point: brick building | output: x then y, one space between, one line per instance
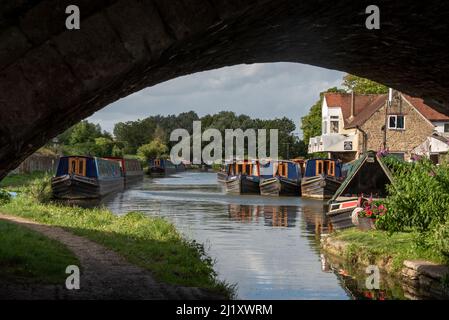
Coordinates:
354 123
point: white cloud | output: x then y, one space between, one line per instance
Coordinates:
258 90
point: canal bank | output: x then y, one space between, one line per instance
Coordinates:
146 253
419 272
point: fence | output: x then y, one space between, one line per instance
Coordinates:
38 162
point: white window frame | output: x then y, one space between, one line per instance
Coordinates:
444 127
338 126
396 121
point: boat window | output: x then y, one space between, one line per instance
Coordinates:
282 169
77 166
72 165
331 169
319 167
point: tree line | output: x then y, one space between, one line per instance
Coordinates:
150 137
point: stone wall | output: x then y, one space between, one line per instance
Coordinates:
416 131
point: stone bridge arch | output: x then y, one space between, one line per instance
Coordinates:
51 77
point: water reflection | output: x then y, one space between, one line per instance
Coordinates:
273 216
268 246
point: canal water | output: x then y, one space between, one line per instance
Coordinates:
267 246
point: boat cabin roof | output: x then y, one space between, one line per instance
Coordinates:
368 176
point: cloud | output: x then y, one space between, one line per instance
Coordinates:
258 90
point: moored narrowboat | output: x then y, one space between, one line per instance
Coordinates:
243 177
80 177
223 173
161 167
285 181
131 168
322 178
368 177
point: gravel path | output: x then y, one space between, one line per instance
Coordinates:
104 274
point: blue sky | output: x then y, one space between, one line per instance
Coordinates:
258 90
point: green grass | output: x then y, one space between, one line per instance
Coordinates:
27 256
14 182
152 243
374 246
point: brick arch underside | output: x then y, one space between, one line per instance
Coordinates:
50 77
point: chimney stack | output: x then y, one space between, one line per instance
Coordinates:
352 105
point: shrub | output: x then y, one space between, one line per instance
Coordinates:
418 199
439 238
5 197
40 189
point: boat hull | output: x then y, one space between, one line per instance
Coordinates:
340 213
242 185
73 187
160 172
279 187
319 187
222 176
133 177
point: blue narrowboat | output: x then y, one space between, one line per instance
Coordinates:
243 177
322 178
285 179
80 177
161 167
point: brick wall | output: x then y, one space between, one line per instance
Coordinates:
417 129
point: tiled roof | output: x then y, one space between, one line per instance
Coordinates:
428 112
367 104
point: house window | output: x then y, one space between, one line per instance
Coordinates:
396 122
334 126
446 127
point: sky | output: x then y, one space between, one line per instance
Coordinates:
271 90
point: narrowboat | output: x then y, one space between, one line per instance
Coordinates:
223 173
243 177
161 167
368 177
131 168
322 178
80 177
285 181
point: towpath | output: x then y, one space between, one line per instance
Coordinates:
104 274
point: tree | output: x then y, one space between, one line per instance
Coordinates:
85 132
103 147
362 86
154 149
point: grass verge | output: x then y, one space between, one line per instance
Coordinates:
28 257
14 182
379 247
152 243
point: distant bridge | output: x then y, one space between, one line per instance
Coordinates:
50 77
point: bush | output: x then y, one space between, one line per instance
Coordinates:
439 238
418 199
5 197
40 189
